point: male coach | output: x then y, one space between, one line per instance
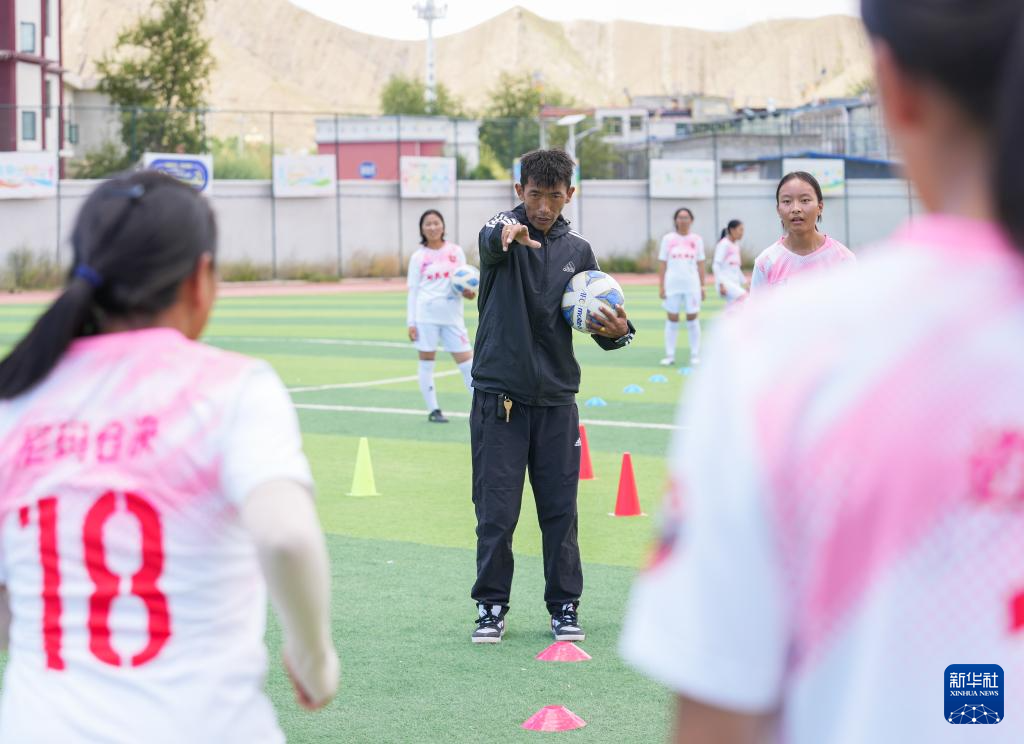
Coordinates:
525 380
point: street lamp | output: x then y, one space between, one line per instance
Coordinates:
571 121
570 148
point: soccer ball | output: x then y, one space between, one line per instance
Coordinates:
584 295
465 277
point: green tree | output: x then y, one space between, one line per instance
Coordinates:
159 76
510 126
402 95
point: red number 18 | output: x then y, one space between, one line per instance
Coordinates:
105 581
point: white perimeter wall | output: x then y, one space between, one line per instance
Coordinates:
616 216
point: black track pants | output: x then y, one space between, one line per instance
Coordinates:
543 440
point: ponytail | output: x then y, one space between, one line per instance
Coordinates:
69 317
136 239
1009 155
733 224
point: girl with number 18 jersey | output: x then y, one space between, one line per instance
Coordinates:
151 488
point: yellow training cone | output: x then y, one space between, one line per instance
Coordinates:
362 480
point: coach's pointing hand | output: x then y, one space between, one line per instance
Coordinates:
518 234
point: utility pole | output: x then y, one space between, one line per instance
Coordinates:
429 11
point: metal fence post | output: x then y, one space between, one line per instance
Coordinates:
337 198
273 205
455 123
398 183
714 154
647 143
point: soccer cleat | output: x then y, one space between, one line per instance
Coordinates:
490 625
694 360
565 625
437 417
668 361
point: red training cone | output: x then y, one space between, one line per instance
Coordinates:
563 651
627 503
586 469
553 718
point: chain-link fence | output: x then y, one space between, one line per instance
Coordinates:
366 222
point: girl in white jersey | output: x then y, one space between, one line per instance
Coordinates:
434 312
681 283
851 568
799 202
152 489
727 264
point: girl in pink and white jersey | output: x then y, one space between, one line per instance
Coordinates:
727 265
152 489
681 283
434 314
800 203
851 568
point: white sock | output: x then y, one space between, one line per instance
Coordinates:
671 334
427 384
466 368
693 329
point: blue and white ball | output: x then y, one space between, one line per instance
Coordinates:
584 296
465 277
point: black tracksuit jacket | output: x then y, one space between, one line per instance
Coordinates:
523 344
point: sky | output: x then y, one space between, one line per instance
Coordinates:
397 19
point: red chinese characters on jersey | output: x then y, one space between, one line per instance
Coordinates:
683 247
438 264
114 441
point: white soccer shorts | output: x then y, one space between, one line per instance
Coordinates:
453 338
689 301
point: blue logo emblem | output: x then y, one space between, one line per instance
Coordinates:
974 693
367 169
192 172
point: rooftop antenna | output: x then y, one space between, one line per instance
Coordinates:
430 11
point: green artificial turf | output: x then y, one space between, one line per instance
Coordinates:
403 561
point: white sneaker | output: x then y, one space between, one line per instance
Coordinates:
668 361
490 624
695 360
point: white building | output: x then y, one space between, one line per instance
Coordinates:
31 90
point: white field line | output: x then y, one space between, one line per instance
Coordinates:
320 341
457 414
368 383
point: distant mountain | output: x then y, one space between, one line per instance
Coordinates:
272 55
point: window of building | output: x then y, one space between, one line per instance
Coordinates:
72 133
49 18
48 99
28 125
613 125
28 37
636 123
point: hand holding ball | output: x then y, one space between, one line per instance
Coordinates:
585 296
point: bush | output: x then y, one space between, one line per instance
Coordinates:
106 160
244 271
361 263
619 265
646 262
24 270
248 163
309 272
